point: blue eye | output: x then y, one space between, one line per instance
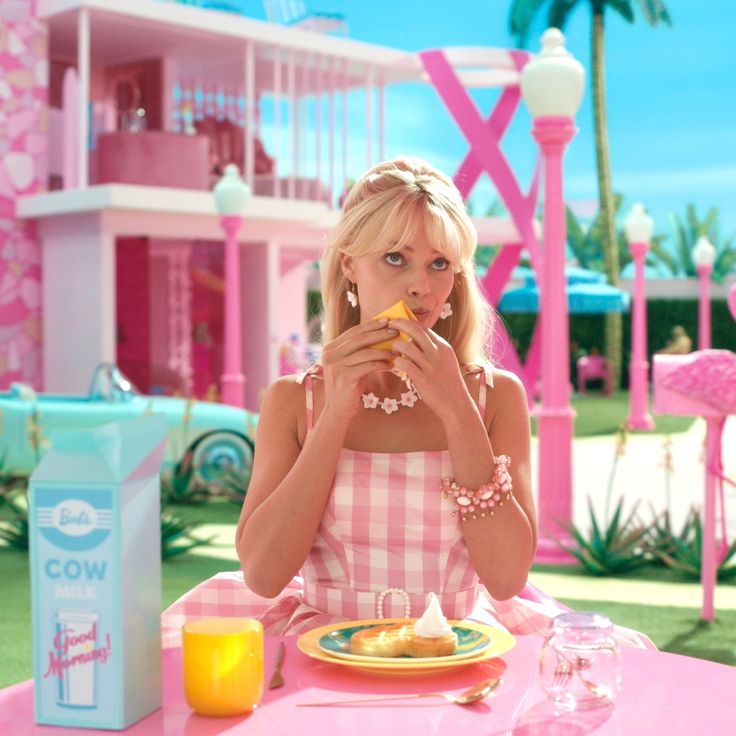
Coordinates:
440 264
394 258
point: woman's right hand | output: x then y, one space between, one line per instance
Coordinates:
348 359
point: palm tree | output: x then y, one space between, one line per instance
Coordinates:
521 15
586 244
687 230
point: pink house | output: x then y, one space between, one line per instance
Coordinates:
115 121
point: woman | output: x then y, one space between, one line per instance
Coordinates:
396 465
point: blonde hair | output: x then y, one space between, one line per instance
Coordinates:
386 209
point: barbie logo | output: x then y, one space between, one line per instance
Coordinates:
74 517
74 523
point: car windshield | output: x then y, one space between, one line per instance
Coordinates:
109 384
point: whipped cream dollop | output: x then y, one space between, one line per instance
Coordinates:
432 622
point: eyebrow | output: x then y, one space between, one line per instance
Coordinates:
434 250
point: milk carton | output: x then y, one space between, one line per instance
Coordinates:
95 540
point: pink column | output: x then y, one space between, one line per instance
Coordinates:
233 380
704 273
555 416
639 417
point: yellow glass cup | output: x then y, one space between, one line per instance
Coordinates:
222 661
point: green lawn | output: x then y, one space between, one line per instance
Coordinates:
178 575
598 414
671 628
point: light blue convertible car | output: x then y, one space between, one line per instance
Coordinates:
220 437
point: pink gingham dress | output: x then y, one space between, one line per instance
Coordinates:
386 525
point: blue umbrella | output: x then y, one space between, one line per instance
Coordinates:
587 293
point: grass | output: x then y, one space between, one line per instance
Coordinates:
672 628
603 415
178 575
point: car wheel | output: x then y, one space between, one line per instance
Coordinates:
218 453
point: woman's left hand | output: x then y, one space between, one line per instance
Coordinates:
432 366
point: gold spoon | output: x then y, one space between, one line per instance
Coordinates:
471 695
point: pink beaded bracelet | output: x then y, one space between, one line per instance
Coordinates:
484 500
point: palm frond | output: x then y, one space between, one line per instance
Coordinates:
664 256
559 13
664 13
683 551
622 546
622 7
233 485
177 537
14 530
521 16
181 485
576 236
655 12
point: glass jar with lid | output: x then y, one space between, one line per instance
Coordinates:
580 661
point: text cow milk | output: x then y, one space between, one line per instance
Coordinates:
95 539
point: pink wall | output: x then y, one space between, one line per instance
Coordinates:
133 318
23 170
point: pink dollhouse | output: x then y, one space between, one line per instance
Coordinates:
115 121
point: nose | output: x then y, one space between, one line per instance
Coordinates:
419 283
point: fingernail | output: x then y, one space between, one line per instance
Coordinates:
383 321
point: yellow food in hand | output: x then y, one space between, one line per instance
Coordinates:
395 311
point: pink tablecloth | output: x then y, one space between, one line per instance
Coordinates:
662 693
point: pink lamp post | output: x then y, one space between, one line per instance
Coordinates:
231 196
552 88
704 256
638 227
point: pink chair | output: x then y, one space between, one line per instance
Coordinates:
592 367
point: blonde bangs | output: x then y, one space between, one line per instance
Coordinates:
395 203
408 218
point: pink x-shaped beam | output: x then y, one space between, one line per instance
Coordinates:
484 137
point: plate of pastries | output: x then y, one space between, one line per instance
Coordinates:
428 643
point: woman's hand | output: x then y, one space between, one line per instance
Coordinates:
431 364
348 359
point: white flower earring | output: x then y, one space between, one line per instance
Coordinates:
446 311
352 296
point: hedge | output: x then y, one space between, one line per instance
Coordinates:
587 330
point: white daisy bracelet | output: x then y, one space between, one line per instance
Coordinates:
482 501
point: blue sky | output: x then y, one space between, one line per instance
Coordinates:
671 98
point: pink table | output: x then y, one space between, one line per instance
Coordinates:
662 693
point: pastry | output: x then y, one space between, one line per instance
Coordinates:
430 646
431 635
380 641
